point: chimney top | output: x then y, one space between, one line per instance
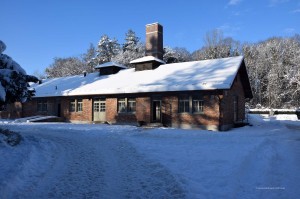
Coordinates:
154 49
151 24
154 40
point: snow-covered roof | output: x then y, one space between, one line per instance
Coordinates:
186 76
147 59
108 64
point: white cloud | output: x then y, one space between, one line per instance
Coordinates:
234 2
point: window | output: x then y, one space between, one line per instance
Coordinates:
126 105
99 105
197 105
76 105
184 104
190 104
131 105
72 105
121 105
79 105
42 105
102 105
96 106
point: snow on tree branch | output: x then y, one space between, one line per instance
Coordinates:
13 79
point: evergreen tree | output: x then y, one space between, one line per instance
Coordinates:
13 80
90 58
132 49
132 41
107 49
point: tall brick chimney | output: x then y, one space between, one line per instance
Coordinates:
154 40
154 49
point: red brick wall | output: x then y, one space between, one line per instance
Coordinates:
111 110
83 116
171 116
30 108
112 115
154 40
143 105
12 111
228 102
65 109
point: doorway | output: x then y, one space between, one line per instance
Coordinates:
99 109
156 110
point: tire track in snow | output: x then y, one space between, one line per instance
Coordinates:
95 164
133 176
77 173
259 171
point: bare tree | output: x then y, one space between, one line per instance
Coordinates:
66 67
175 55
216 46
273 67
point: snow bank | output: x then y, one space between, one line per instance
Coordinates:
275 110
287 117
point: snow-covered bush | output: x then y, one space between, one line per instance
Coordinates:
10 137
13 80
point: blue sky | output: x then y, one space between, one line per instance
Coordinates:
36 31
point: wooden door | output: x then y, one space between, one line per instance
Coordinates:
99 108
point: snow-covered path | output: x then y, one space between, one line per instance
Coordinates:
108 161
84 165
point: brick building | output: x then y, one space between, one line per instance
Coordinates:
207 94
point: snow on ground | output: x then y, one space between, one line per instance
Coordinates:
102 161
